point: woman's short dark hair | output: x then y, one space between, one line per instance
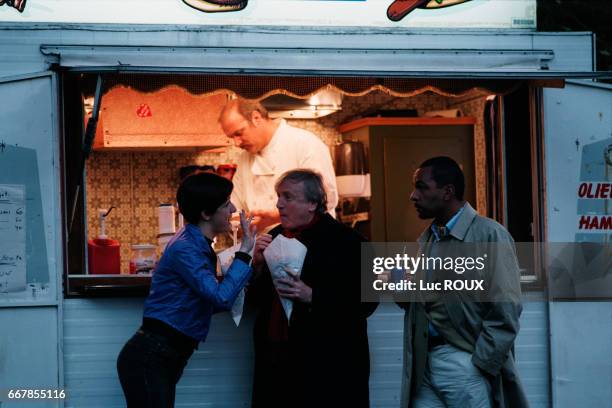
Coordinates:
445 171
314 189
187 171
202 192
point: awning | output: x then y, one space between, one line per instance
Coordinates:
302 71
450 62
416 62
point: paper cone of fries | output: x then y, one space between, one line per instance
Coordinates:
285 257
226 258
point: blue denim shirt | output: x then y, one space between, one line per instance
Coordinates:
449 227
184 290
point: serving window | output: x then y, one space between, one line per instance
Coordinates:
155 128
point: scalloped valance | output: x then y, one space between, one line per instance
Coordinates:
260 87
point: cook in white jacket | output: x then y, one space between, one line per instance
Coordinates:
270 148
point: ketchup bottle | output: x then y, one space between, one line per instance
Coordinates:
103 252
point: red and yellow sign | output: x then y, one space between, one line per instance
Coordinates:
446 14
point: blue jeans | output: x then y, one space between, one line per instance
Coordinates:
452 381
149 369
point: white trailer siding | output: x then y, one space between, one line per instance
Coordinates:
219 373
578 127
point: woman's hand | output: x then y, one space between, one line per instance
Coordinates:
249 233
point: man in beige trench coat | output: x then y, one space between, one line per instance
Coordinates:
459 352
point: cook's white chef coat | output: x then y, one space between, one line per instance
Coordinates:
290 148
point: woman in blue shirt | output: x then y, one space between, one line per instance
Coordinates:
184 293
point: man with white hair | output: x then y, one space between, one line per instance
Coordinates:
320 356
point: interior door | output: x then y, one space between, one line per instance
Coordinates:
30 236
404 149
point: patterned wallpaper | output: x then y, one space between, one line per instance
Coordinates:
475 108
137 182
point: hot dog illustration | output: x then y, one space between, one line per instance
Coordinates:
216 6
401 8
18 4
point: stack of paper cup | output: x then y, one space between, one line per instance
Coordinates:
165 214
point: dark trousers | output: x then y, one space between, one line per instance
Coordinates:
149 369
305 376
274 382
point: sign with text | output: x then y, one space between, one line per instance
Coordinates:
594 193
500 14
13 242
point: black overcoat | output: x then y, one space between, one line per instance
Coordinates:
327 351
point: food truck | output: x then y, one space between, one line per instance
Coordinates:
104 102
